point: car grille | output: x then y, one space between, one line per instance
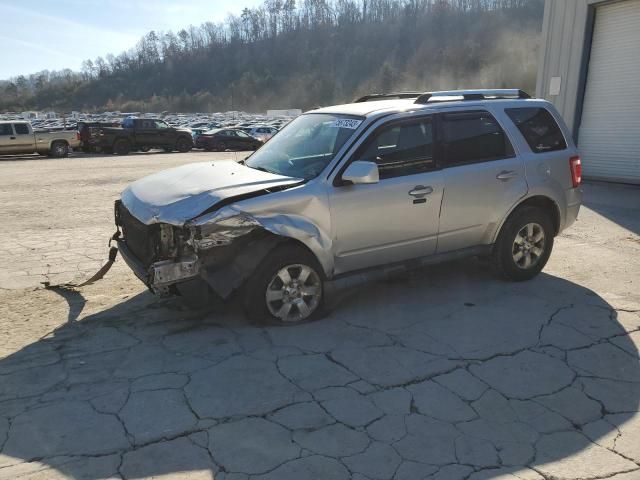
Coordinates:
141 239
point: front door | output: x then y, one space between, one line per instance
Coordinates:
397 218
483 179
7 138
147 135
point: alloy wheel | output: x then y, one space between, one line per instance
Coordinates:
294 293
528 246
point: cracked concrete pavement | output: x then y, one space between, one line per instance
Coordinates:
447 373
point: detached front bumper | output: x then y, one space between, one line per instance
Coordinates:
160 275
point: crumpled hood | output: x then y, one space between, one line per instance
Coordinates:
179 194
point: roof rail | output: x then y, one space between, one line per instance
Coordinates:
491 94
382 96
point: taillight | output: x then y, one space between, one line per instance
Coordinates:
576 171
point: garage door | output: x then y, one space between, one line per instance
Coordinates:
609 135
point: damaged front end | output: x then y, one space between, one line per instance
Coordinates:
222 247
159 254
215 221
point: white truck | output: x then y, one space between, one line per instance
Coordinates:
18 137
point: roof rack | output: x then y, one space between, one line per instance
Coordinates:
491 94
382 96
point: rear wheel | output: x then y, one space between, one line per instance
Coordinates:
59 149
221 147
183 145
524 244
286 289
122 147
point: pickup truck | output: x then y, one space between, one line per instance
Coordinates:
141 134
19 138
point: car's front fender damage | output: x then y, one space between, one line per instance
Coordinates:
231 243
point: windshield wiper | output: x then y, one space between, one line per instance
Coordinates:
262 169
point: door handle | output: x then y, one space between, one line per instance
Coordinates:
507 175
420 191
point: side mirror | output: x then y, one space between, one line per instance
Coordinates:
361 172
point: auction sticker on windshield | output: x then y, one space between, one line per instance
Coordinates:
346 123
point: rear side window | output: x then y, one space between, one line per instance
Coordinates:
401 149
21 128
539 129
470 137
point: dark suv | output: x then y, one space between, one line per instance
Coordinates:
142 134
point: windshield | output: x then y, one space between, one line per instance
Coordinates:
305 146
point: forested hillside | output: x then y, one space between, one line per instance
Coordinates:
300 54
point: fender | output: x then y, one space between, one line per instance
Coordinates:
531 195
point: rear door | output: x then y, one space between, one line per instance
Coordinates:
483 178
25 140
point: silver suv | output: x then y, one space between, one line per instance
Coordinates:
354 191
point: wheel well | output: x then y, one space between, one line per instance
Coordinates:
250 254
547 205
59 141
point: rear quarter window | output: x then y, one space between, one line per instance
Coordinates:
539 128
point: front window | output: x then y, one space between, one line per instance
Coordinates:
306 145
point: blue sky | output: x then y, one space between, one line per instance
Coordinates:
56 34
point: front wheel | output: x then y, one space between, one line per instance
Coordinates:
183 145
524 244
286 289
221 147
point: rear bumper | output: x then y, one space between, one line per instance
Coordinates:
574 201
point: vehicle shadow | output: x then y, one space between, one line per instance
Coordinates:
447 370
618 203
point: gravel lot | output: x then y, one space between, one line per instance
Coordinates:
448 373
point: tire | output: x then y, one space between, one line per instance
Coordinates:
183 145
524 244
122 147
268 278
221 147
59 149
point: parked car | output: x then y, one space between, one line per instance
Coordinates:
143 134
263 133
20 138
227 139
355 191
